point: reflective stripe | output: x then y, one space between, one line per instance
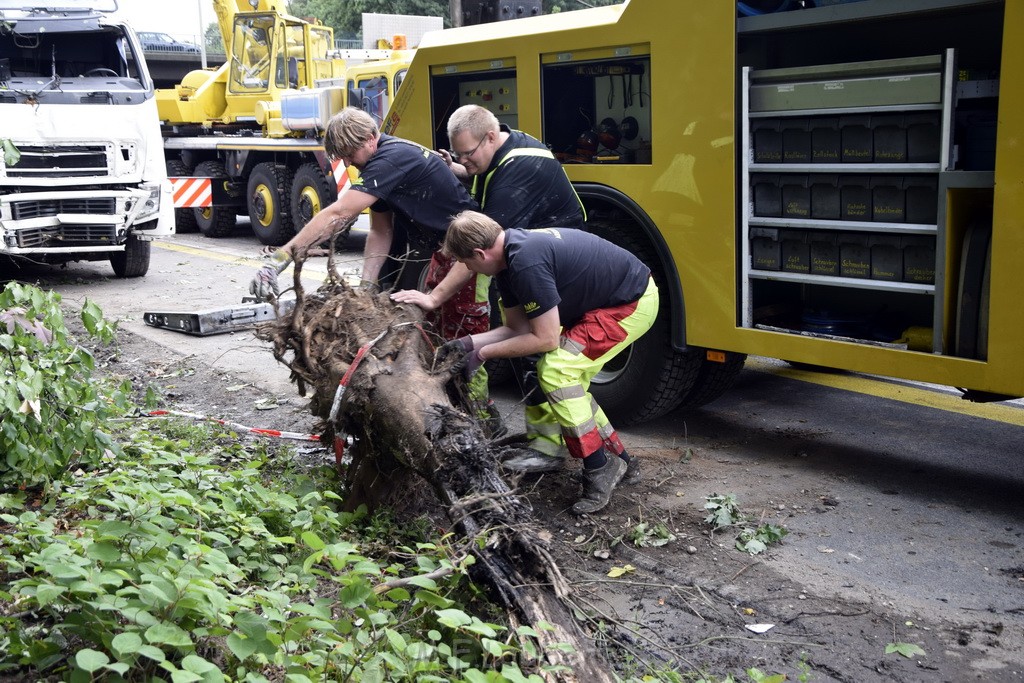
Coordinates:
568 393
521 152
191 193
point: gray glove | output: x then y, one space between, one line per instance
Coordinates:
455 348
264 286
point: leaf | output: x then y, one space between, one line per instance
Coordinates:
241 646
355 594
313 541
91 660
616 572
31 408
168 634
908 650
104 552
11 153
151 652
453 618
47 593
197 664
126 643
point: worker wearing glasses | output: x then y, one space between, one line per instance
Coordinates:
518 183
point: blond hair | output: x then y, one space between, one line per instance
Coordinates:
347 130
474 119
470 230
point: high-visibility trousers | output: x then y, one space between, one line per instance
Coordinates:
570 416
467 312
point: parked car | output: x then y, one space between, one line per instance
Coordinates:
162 42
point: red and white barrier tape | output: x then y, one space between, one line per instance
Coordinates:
275 433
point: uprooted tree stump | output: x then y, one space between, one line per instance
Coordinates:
402 420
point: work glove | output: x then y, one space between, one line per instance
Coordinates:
264 286
468 364
456 348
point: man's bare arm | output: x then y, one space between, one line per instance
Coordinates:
455 280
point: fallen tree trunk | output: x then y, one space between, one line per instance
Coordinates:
400 418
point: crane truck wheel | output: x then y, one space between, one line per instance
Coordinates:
134 260
270 185
649 378
311 192
184 219
213 221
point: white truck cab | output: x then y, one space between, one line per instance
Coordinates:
83 174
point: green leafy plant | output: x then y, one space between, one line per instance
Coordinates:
54 412
183 559
724 512
908 650
756 540
645 534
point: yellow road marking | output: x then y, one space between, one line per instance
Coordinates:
313 272
919 396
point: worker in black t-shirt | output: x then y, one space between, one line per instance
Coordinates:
396 176
576 299
518 182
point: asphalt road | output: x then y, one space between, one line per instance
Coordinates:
928 489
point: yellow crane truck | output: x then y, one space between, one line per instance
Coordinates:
838 186
246 138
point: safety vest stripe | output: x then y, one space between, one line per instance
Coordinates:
520 152
191 193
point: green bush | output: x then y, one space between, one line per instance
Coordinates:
53 411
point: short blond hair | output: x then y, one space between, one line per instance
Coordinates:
468 231
474 119
347 130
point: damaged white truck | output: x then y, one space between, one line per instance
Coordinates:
83 176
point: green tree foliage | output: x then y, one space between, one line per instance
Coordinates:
213 39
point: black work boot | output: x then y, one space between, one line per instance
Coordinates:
632 475
598 485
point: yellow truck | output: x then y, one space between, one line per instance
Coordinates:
838 186
246 138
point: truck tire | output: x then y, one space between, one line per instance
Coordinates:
270 185
134 260
311 192
714 379
184 219
214 221
649 378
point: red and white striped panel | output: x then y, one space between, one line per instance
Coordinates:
191 193
340 171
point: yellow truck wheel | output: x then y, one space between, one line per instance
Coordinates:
214 221
269 210
312 190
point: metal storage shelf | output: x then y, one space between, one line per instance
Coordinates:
842 111
845 226
944 178
861 169
848 282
